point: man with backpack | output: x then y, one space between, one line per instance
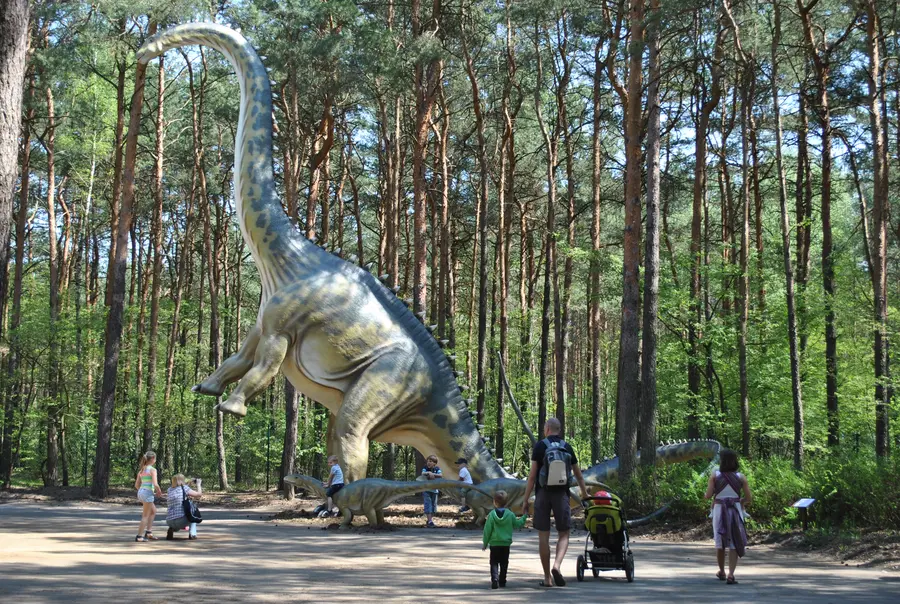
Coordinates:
553 462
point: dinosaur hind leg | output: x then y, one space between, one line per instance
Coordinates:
233 368
270 355
381 394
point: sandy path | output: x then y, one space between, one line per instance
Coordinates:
79 552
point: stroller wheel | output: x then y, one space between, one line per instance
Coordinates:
579 569
629 568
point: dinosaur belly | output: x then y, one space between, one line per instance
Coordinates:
325 395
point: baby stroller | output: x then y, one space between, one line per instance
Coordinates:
606 546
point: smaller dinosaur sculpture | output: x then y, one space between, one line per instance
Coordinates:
595 476
369 496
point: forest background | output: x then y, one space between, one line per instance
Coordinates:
668 219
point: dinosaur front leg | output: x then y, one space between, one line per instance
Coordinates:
270 353
346 518
233 368
373 517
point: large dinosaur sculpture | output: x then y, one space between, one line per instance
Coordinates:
370 496
339 335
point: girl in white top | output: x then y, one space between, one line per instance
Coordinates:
726 486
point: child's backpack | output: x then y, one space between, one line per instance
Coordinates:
557 466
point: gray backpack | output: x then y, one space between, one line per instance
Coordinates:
557 466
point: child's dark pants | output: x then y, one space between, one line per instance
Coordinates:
499 563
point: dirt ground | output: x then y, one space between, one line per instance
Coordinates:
84 551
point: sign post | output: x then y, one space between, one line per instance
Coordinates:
803 505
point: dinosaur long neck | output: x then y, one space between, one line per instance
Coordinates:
275 246
665 455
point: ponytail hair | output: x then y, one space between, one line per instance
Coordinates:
145 460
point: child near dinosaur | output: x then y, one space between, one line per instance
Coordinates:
465 476
498 532
430 472
334 483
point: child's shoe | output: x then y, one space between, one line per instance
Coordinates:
431 524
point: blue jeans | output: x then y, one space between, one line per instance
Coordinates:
430 501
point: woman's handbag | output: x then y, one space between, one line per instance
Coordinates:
191 511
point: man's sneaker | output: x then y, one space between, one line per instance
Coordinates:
494 585
464 509
431 524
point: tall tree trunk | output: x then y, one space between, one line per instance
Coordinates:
562 298
427 81
696 305
118 158
484 181
51 477
595 298
157 243
13 53
796 384
100 483
880 206
651 248
803 209
13 400
822 66
289 448
629 389
744 283
551 140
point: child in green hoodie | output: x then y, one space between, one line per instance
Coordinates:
498 532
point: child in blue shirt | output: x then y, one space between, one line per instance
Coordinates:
430 472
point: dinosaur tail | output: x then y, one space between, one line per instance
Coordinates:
264 224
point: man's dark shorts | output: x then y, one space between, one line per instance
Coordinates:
334 489
556 501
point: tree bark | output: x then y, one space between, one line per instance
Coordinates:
113 341
13 400
551 141
14 16
594 298
796 384
651 248
696 317
880 206
822 66
629 387
289 449
51 475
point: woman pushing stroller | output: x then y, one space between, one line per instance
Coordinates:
726 486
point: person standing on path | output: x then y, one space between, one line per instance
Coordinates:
553 462
726 485
146 484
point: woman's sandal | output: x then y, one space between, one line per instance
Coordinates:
731 581
720 575
139 539
148 536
